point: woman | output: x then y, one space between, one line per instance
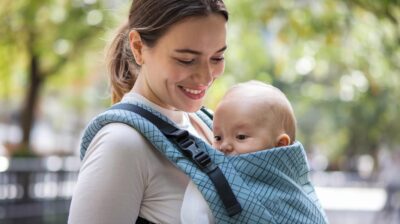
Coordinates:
166 57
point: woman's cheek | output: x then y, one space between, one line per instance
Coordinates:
220 70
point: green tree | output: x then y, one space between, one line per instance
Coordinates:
40 39
338 62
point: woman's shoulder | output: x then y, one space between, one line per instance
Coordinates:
120 134
118 140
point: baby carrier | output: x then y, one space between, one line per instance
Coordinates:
269 186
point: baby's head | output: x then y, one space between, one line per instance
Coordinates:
253 116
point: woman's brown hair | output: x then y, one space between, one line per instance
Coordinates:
151 18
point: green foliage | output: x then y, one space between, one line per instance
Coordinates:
47 47
337 61
60 33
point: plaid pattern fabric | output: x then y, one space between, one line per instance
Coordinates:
272 186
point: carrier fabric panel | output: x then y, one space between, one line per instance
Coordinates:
276 200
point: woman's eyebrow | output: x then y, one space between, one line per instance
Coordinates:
190 51
222 49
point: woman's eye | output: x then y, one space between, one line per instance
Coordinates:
218 59
186 62
217 138
241 137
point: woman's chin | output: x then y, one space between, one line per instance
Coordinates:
191 108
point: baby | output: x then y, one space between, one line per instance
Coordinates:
253 116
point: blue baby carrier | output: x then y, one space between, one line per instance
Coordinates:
269 186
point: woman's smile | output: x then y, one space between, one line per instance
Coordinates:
194 93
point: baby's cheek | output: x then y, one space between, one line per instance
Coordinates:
215 145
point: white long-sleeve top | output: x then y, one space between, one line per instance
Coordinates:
123 176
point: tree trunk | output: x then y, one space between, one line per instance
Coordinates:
31 100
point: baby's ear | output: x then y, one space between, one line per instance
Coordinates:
282 140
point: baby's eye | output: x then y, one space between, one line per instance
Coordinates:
241 137
217 138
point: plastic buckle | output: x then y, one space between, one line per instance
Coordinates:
190 149
179 133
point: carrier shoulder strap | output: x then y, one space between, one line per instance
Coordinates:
207 112
188 147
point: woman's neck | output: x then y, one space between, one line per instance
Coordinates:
184 120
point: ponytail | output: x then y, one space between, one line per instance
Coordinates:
122 67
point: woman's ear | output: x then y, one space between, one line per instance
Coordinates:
136 44
282 140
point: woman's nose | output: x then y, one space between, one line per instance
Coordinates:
205 74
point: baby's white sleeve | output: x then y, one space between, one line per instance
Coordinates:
112 178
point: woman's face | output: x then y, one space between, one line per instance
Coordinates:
178 70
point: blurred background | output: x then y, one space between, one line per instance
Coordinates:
338 61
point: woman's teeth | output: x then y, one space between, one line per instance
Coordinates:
192 91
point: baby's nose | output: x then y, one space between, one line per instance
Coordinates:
226 147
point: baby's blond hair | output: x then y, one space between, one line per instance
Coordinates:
275 101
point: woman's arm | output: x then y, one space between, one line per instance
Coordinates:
112 178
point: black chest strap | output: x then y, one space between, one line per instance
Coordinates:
188 147
141 220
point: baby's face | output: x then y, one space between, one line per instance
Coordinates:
241 127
